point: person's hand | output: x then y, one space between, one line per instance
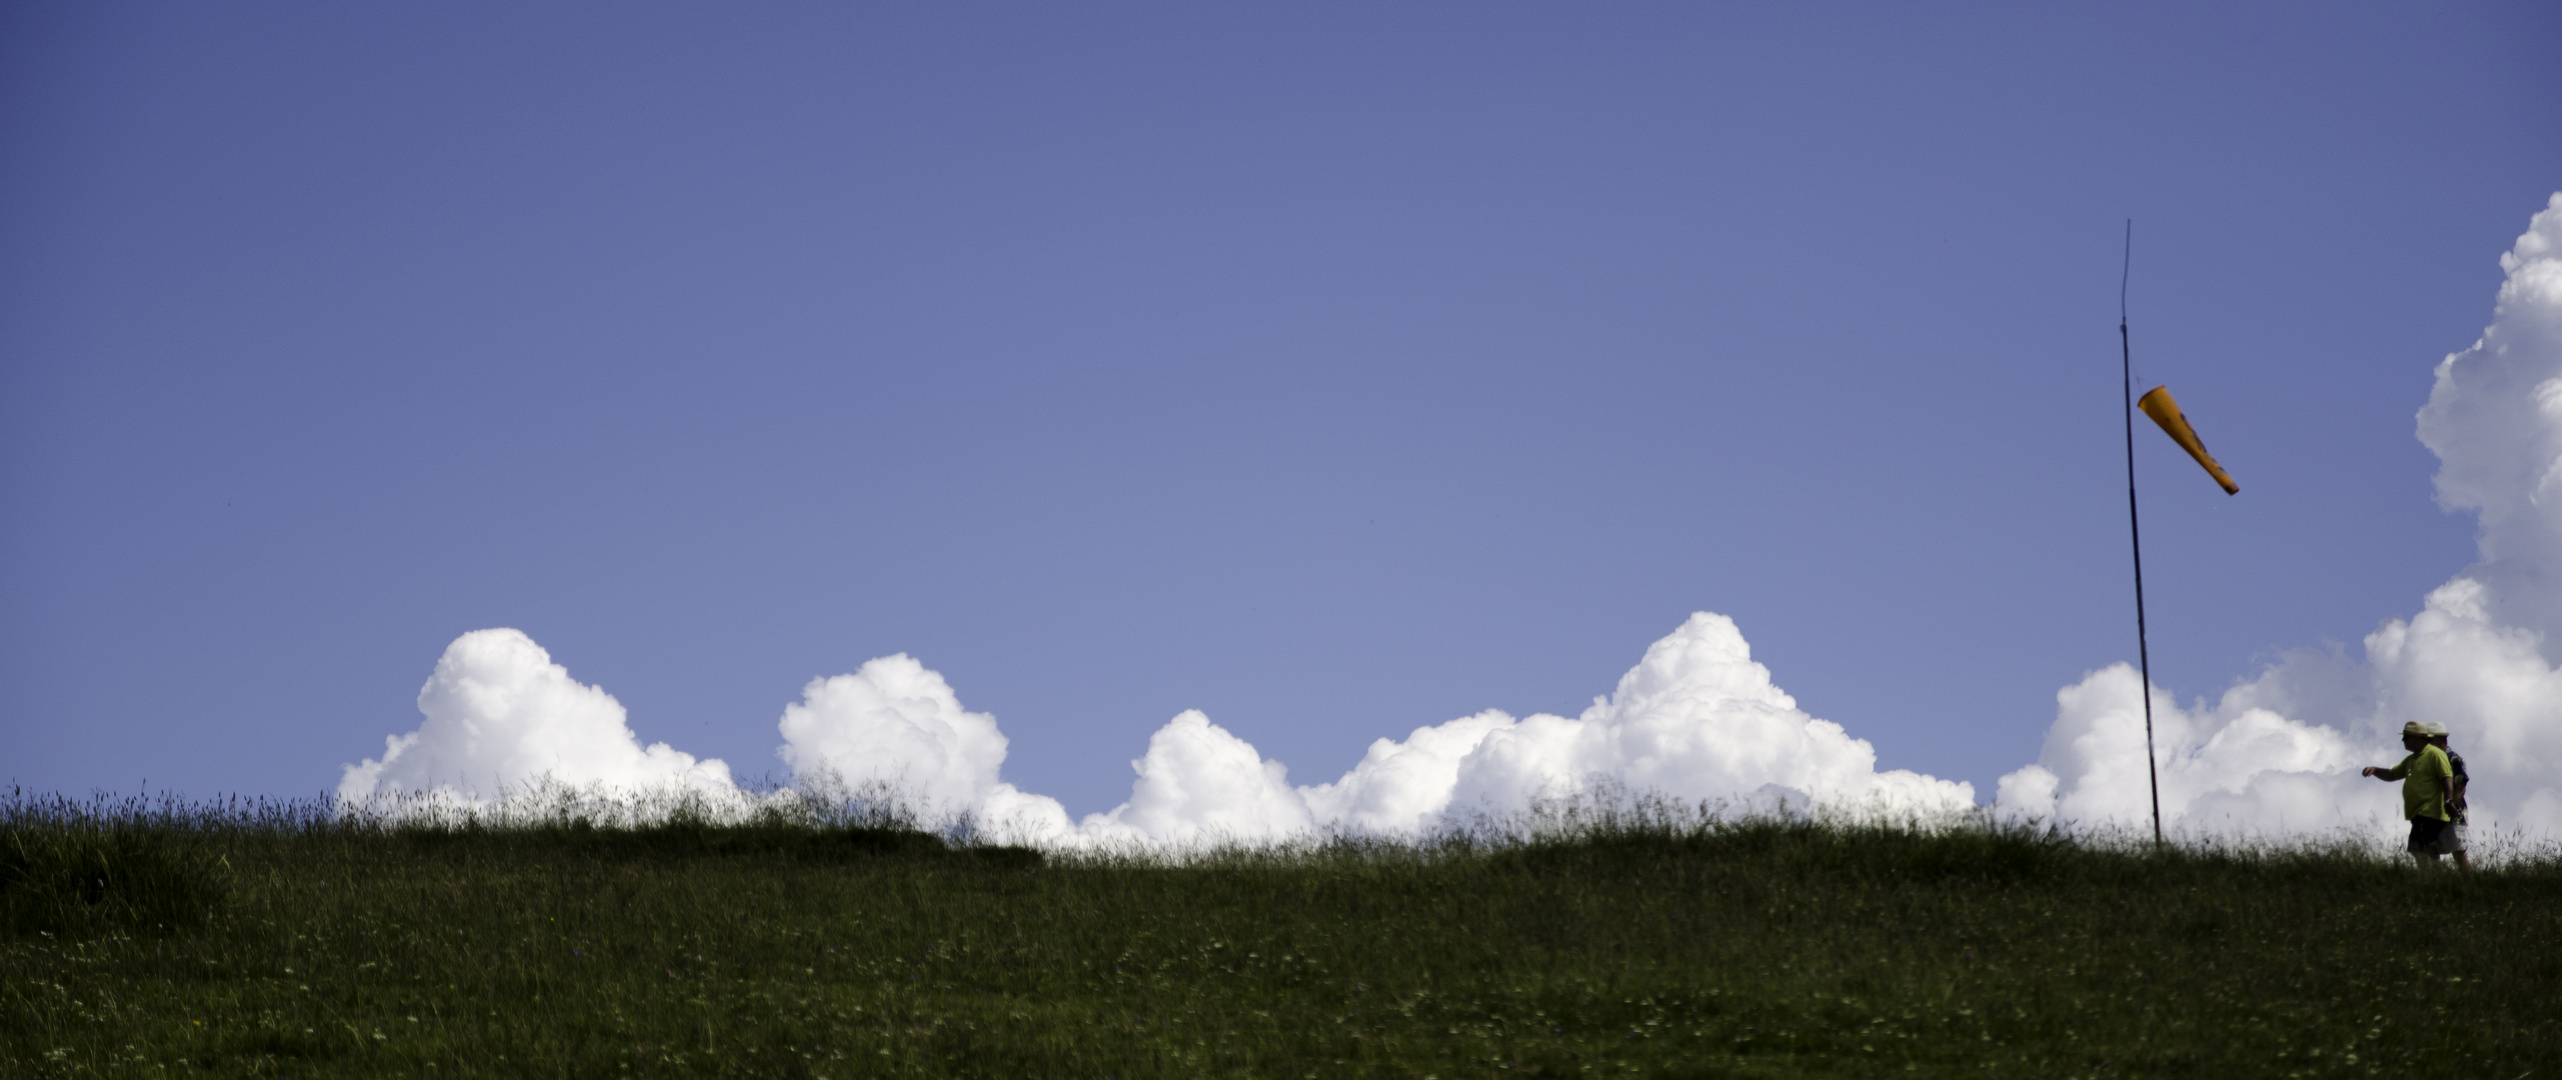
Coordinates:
2367 771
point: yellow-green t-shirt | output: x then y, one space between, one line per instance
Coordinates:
2427 779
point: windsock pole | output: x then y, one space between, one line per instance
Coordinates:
2143 652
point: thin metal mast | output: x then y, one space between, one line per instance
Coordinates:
2143 651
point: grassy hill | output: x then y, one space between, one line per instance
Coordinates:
265 941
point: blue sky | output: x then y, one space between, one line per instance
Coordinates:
1334 370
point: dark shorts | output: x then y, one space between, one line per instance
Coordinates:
2424 834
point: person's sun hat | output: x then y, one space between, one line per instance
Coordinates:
2416 728
2436 729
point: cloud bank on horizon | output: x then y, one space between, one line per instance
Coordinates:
1696 719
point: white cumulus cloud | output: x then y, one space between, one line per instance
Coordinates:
2279 753
1198 782
500 717
2494 418
893 725
1696 720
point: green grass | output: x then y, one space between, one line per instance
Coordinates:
258 941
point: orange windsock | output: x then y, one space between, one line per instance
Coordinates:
2157 404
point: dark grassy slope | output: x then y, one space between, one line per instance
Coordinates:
1760 950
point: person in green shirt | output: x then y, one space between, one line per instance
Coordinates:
2427 782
